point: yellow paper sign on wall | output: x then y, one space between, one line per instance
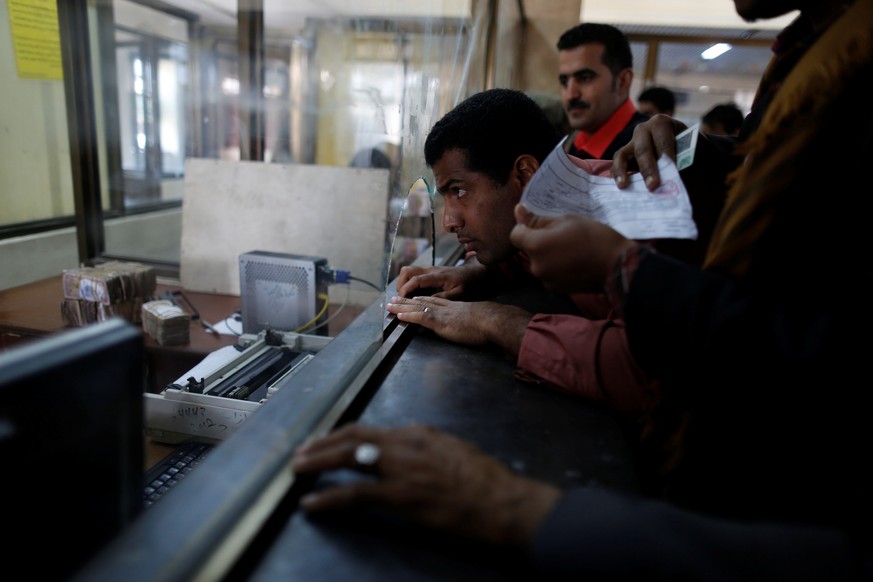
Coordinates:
35 36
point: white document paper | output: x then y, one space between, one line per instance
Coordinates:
561 187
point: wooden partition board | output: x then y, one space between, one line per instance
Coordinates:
234 207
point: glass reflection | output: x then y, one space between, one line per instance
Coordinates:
413 231
207 111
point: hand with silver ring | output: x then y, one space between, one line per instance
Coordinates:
367 456
428 476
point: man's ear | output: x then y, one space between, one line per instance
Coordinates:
624 80
524 168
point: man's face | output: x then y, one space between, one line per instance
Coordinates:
589 91
476 209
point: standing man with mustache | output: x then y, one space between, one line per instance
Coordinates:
595 69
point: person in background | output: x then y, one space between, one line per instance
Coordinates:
655 100
374 157
595 70
722 119
764 427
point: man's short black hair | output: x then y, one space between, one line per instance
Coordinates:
661 97
493 127
729 115
616 47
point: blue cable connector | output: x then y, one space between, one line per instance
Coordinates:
340 276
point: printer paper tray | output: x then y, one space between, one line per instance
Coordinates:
181 412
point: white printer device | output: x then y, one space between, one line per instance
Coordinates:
280 294
211 400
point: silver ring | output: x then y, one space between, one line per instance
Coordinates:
367 455
426 309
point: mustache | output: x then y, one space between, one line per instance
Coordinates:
577 103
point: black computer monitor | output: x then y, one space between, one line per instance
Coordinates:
71 445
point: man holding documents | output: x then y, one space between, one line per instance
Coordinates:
481 166
595 66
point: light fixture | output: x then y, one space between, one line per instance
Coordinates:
715 50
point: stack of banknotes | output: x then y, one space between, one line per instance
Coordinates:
167 323
116 288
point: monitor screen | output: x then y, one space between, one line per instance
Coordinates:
71 445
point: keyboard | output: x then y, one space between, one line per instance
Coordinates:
172 469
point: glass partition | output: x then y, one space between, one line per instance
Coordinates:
204 130
282 127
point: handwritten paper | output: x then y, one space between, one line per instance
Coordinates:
567 185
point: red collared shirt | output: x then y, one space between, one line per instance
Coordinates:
596 143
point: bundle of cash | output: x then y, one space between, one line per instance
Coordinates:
79 312
110 283
167 323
